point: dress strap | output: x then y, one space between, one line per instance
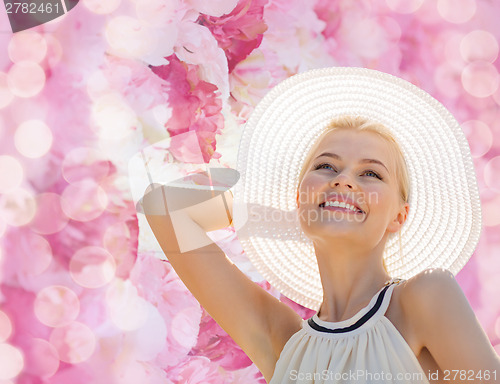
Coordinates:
387 297
379 307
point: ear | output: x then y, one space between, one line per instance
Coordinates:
400 218
297 197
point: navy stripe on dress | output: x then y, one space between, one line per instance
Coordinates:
358 323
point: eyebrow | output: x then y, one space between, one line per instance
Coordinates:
335 156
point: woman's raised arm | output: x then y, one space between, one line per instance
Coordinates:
241 307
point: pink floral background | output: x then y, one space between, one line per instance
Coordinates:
84 297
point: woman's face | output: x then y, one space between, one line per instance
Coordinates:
354 168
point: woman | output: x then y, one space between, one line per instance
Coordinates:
357 199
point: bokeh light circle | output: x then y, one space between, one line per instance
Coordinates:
116 240
479 104
56 306
157 12
97 84
27 45
75 342
92 267
84 200
479 137
5 327
49 217
127 310
491 211
114 117
479 45
496 96
404 6
101 7
17 207
42 359
6 95
450 40
129 37
33 139
457 11
366 38
36 254
492 174
151 338
82 163
3 226
11 363
447 79
29 109
480 79
11 173
26 79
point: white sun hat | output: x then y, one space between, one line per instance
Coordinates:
444 222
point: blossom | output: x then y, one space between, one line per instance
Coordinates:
195 107
213 8
250 81
157 283
142 91
293 40
198 47
195 370
239 32
218 346
148 33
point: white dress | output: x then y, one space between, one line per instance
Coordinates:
367 348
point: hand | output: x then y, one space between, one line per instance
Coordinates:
204 197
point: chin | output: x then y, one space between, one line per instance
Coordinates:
333 231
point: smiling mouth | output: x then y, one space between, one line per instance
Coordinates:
344 210
340 206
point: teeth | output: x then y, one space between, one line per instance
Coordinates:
340 204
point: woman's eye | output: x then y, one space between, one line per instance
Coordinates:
373 174
324 165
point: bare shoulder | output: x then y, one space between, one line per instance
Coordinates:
430 286
431 277
443 321
420 296
434 292
428 291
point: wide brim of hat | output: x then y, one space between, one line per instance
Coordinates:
444 221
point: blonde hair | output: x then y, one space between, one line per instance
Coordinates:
361 124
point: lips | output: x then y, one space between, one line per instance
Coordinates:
347 209
341 202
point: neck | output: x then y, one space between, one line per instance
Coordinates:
350 274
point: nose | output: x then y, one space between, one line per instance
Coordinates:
342 180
